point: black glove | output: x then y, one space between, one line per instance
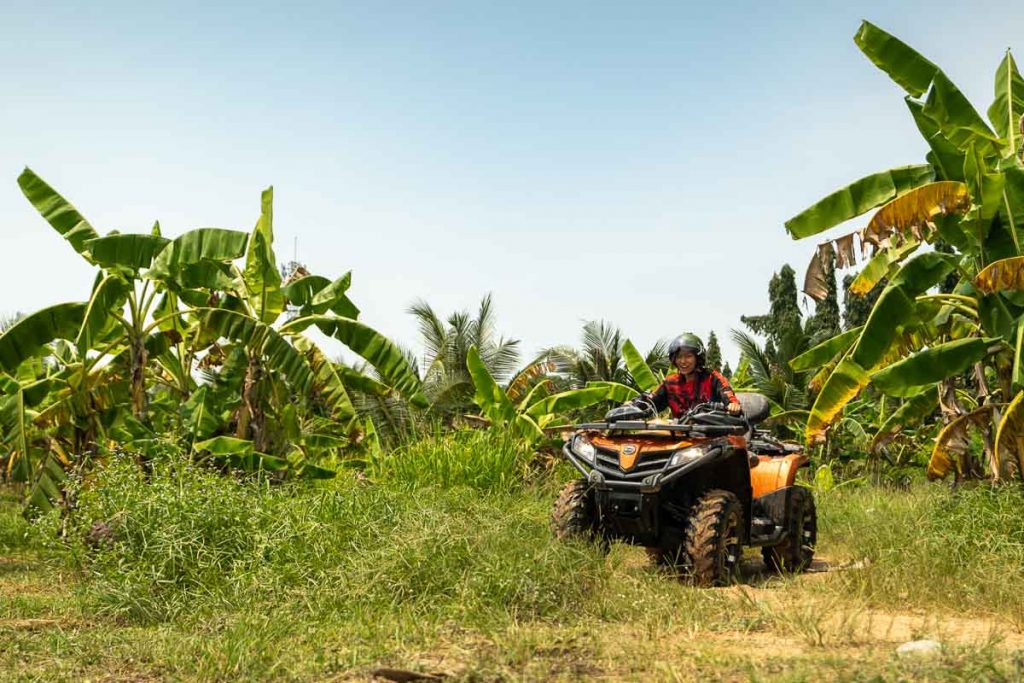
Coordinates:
641 401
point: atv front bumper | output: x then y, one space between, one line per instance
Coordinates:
609 479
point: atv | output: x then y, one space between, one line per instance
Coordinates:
694 491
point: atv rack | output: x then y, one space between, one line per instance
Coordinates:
696 429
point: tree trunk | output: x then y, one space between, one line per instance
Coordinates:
988 428
138 357
251 420
950 408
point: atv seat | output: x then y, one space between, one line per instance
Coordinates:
755 407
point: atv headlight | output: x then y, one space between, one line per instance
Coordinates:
584 449
687 455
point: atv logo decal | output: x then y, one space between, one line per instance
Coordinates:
628 456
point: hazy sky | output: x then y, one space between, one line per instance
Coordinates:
632 162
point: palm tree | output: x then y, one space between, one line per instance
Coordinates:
600 358
446 378
768 370
6 321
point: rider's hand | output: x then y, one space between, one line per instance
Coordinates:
734 408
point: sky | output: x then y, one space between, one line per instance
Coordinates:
631 162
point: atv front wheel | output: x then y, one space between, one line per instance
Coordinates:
712 538
796 552
574 515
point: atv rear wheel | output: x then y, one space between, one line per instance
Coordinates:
712 538
574 515
796 552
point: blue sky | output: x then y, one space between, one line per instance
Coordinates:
632 162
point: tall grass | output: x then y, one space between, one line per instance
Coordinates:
218 578
484 459
928 546
188 539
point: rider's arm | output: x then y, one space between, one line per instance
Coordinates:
721 390
659 397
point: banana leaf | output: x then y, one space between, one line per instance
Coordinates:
223 445
202 244
490 397
565 401
617 393
58 212
914 409
108 297
300 292
638 368
47 486
912 215
380 351
986 186
880 266
901 62
944 156
825 351
25 338
845 382
328 381
132 251
932 365
858 197
952 443
1009 451
263 340
200 414
1001 275
364 383
261 277
957 118
1008 108
878 333
539 392
333 298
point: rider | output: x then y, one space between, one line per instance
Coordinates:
693 383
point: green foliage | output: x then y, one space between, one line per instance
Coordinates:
188 539
863 195
783 317
856 309
491 460
927 547
910 338
447 380
714 353
162 313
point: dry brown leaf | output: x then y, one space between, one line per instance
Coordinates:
1004 274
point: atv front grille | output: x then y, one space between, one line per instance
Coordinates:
647 464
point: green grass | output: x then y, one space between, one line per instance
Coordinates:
212 578
491 460
928 547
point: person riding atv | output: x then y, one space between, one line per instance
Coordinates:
693 384
695 489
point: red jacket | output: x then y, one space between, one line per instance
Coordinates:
703 386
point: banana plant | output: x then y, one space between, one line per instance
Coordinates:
529 416
123 366
919 344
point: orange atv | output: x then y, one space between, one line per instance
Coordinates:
694 491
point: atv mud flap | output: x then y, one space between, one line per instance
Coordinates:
769 521
628 516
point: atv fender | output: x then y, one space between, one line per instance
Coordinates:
773 473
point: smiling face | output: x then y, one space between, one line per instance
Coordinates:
685 362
